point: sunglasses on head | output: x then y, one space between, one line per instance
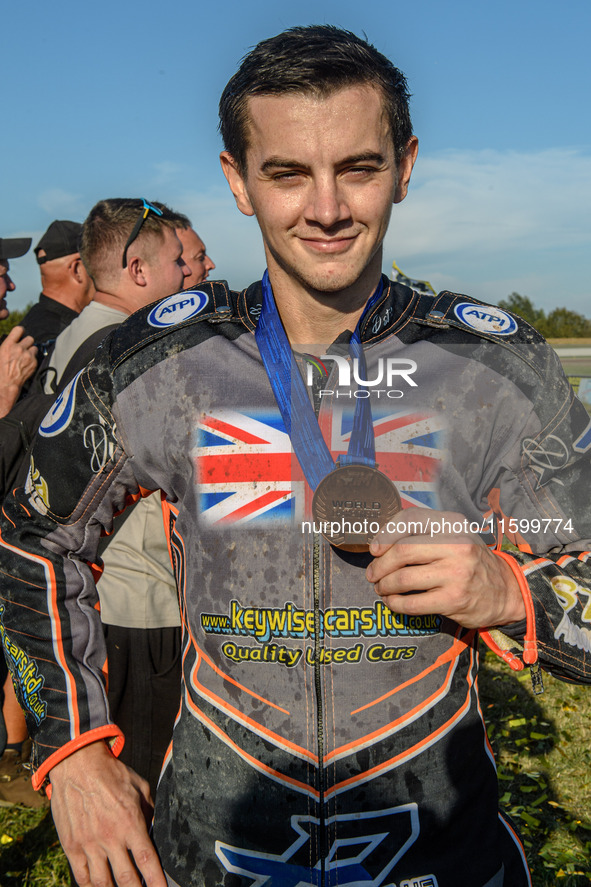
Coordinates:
147 208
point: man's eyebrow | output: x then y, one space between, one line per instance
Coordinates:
364 157
280 163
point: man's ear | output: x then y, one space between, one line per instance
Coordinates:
236 182
77 270
407 161
137 270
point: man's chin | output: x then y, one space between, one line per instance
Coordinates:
4 312
332 278
331 285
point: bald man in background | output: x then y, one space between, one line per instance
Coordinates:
66 284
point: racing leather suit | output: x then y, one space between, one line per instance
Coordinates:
321 738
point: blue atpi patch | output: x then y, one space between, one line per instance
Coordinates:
486 319
175 309
60 415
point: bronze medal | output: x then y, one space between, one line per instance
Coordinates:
352 503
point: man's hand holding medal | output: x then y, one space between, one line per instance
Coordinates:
453 574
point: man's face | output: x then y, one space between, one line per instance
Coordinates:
6 286
321 179
167 267
195 256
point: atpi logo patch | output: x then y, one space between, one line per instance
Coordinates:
486 319
60 415
177 308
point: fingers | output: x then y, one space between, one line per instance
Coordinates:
15 337
114 852
123 868
147 862
422 551
427 603
99 807
18 358
461 579
404 576
424 524
15 334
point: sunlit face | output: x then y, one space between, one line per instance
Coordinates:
6 286
195 256
321 179
167 267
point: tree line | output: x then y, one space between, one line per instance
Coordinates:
561 323
13 318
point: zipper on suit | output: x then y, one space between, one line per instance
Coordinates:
318 647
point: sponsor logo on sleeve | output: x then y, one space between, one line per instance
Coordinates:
37 489
575 599
175 309
486 319
28 679
60 415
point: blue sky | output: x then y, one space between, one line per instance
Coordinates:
119 99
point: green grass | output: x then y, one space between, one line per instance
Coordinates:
543 753
30 853
543 749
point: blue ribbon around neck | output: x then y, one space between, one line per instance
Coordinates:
292 397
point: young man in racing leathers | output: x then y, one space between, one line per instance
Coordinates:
327 734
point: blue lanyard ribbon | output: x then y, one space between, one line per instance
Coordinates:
292 397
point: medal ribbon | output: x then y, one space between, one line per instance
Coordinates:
292 397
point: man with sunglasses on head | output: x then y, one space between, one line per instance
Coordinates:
330 730
133 255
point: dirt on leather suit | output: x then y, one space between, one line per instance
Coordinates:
321 739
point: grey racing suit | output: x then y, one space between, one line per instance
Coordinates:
322 738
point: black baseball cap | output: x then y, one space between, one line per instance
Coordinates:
13 247
62 238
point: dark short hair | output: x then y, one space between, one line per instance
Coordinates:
107 227
318 60
179 220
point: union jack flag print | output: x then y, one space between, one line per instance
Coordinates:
247 473
244 468
409 449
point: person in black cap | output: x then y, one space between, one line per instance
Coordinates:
67 287
18 360
10 248
18 355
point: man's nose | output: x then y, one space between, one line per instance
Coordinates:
327 204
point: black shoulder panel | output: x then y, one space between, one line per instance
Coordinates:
476 318
405 313
493 336
460 323
171 325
